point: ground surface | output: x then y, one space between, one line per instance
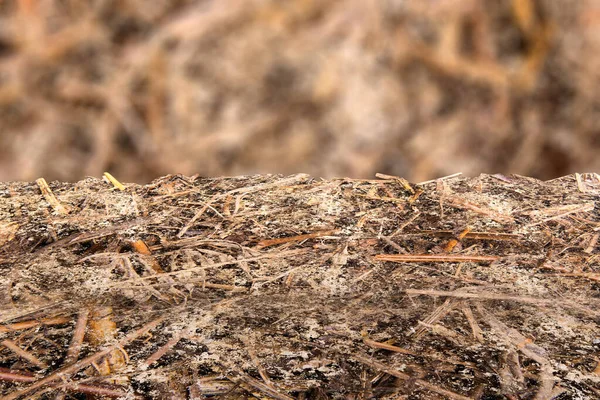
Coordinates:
299 288
413 88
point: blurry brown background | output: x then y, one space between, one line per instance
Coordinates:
417 88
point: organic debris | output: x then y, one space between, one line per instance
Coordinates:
276 287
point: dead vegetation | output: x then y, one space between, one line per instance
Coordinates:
332 88
276 287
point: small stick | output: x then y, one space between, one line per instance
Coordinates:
503 297
258 385
477 332
33 323
162 351
392 371
73 368
261 371
434 258
596 370
592 276
592 244
114 181
471 235
404 225
16 376
198 214
494 215
396 349
580 183
271 242
9 344
76 341
579 208
227 206
78 335
481 296
386 346
50 197
97 390
440 179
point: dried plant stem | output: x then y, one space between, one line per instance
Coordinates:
76 341
162 350
434 258
261 387
33 323
297 238
378 366
50 197
24 354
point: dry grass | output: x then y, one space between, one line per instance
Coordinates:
296 288
332 88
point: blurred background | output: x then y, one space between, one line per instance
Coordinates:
415 88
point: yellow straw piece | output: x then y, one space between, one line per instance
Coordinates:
50 197
114 181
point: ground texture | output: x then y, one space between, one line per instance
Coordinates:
292 287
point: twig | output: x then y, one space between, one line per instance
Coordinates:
33 323
437 315
376 365
298 238
98 390
261 370
494 215
433 258
440 179
386 346
9 375
573 209
482 296
258 385
76 341
24 377
477 332
580 185
24 354
592 244
471 235
162 350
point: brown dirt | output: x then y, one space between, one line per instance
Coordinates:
297 288
332 88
